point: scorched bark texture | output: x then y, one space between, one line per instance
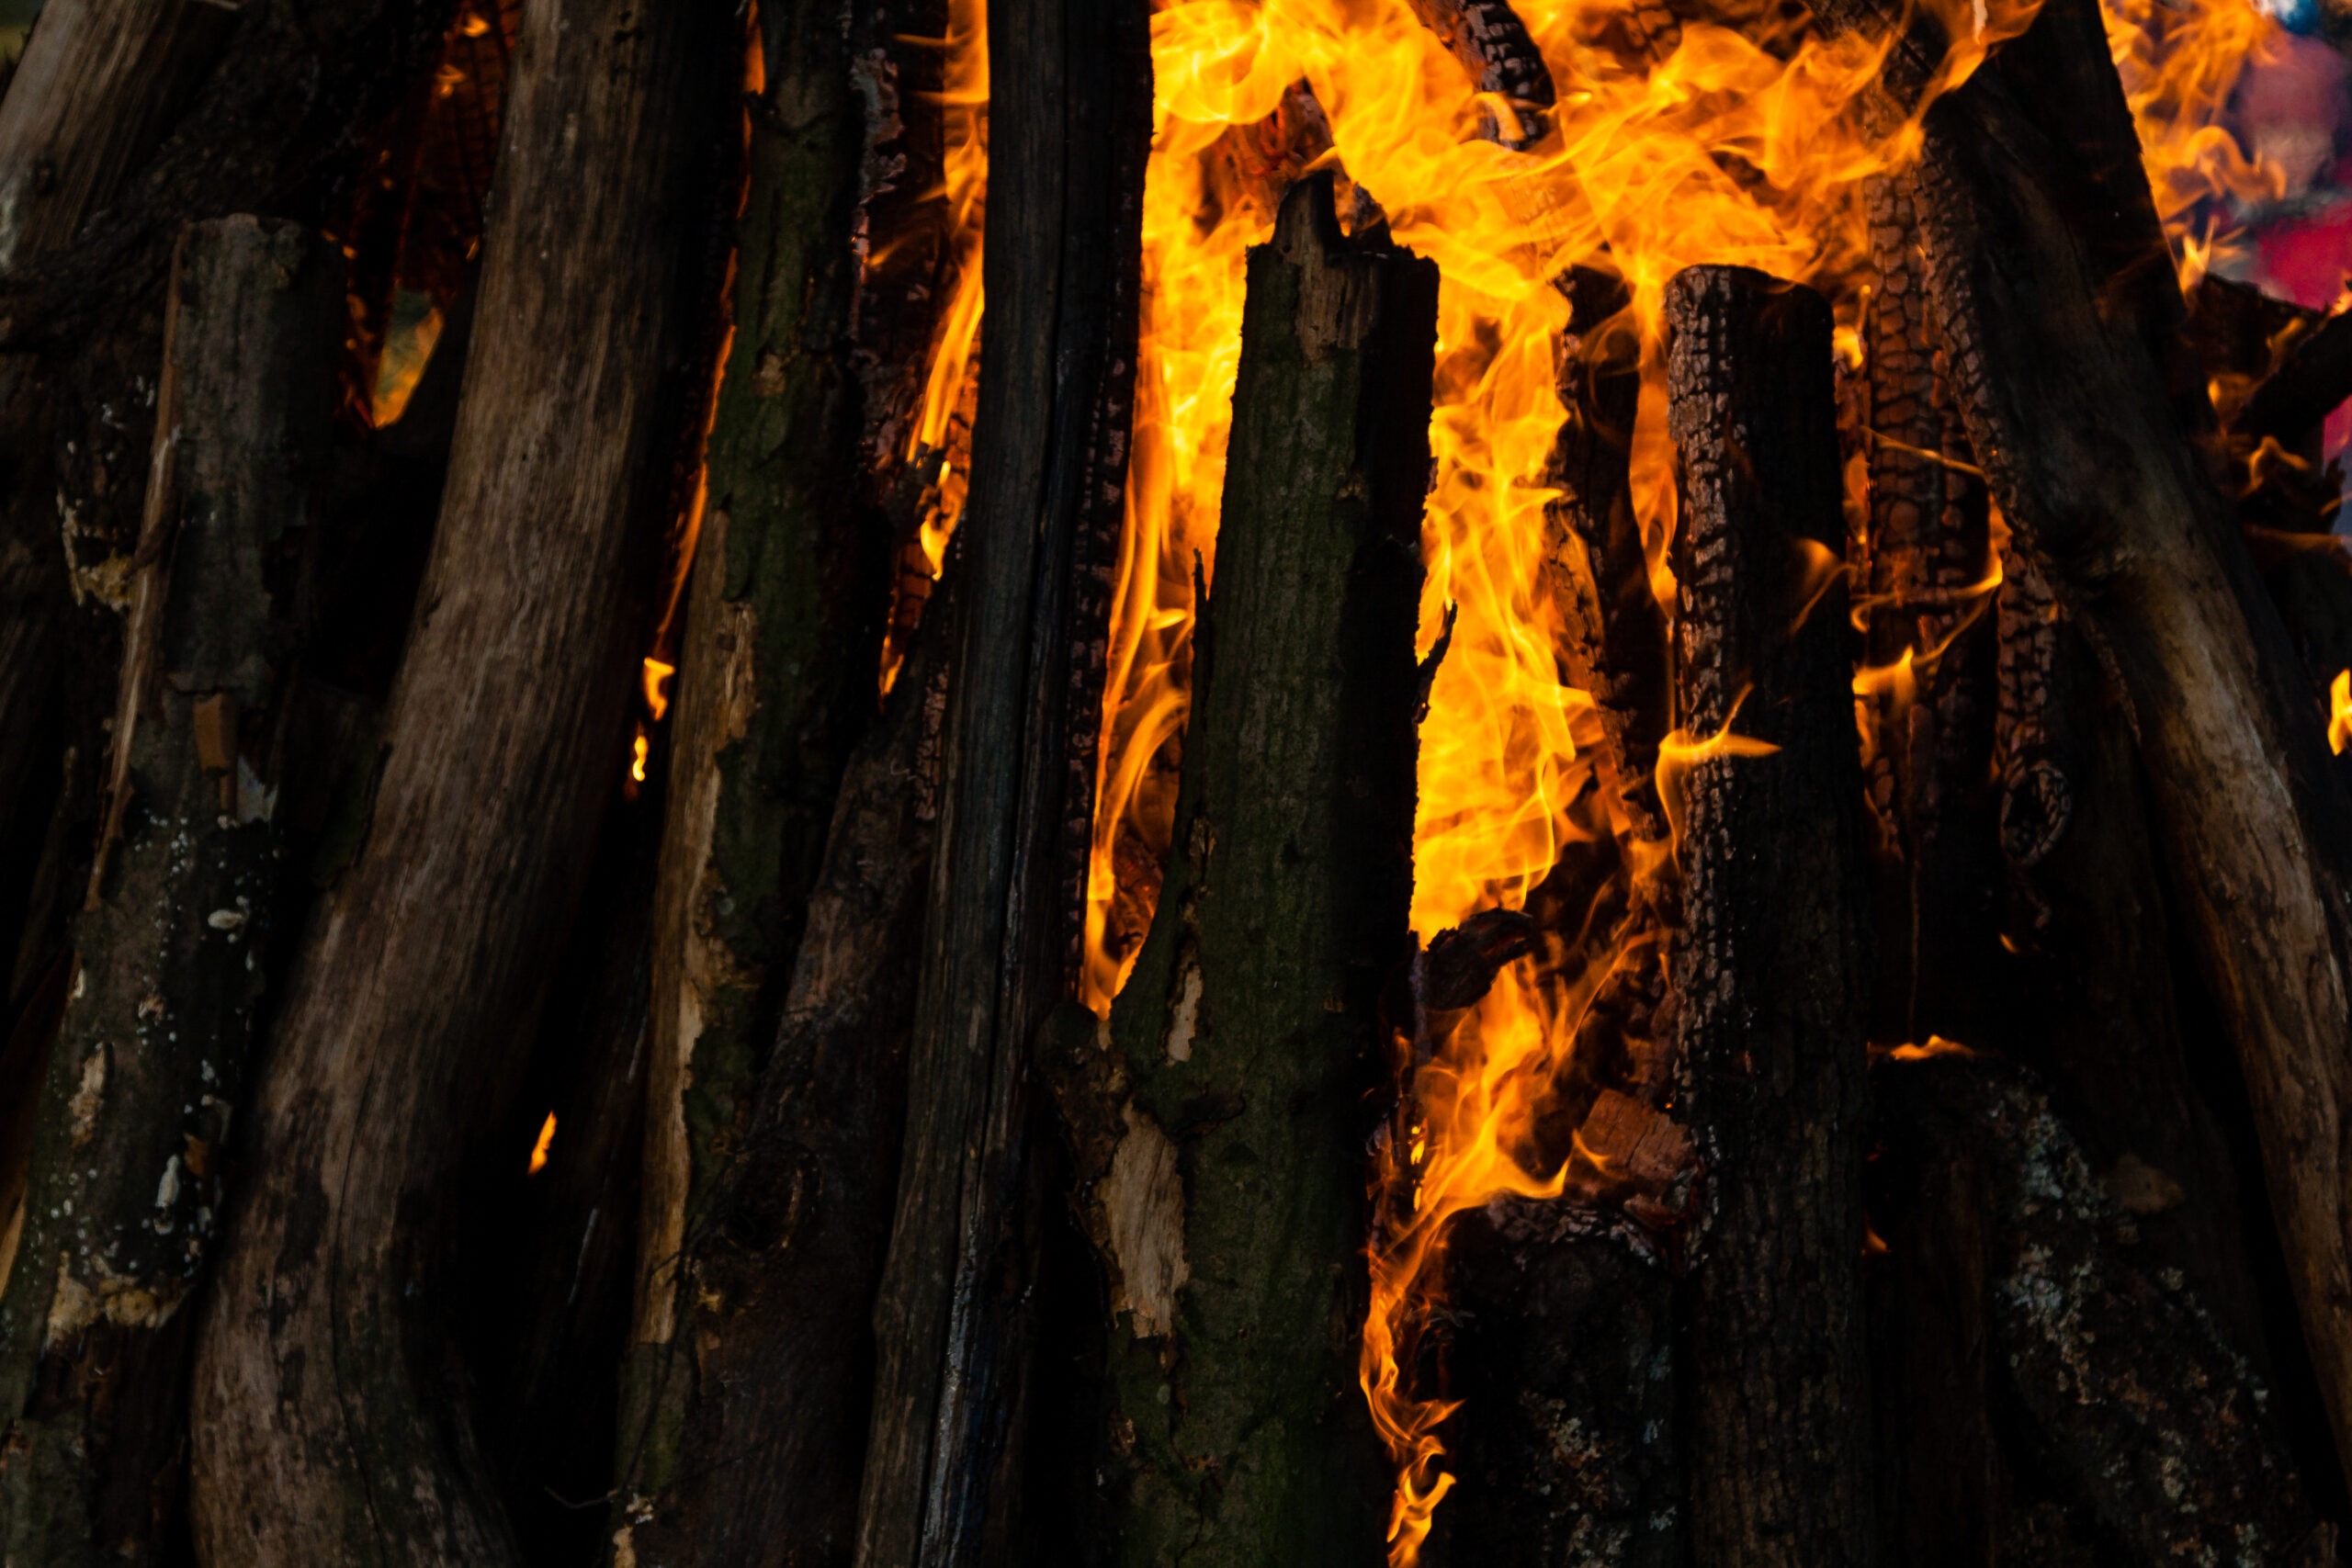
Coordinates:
1770 968
334 1428
1069 126
128 1180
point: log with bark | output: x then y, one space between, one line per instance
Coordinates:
2085 426
127 1187
423 969
1220 1120
1770 965
1069 124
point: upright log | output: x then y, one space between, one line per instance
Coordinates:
128 1180
1069 126
775 684
329 1428
1225 1184
2074 411
1770 968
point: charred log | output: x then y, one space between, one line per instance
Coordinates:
1771 967
1069 125
2087 443
127 1184
2109 1379
1221 1156
414 999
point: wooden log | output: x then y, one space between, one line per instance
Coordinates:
127 1187
2314 376
782 644
1924 576
1562 1353
1494 46
2071 410
1069 127
2106 1367
100 84
412 1002
1222 1152
1770 968
783 1263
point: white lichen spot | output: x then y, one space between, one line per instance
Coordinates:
167 1189
1184 1017
82 1110
1143 1203
225 919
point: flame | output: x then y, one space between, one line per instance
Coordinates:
2180 61
539 1150
2339 714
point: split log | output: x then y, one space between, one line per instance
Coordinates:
2089 453
1069 129
1770 968
1923 574
422 972
127 1183
1220 1142
782 643
779 1273
2100 1361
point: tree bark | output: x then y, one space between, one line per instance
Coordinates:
1069 126
2105 1366
2072 407
127 1184
1770 968
782 646
783 1264
423 969
1221 1144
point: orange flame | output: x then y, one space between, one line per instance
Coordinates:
2339 714
539 1150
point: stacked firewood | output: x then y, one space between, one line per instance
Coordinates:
1955 1173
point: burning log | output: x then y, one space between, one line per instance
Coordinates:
2314 376
1493 45
2129 1403
1924 576
782 641
1219 1125
1069 127
125 1191
1770 968
2077 416
783 1264
425 963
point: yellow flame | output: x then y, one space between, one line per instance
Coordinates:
2339 714
546 1142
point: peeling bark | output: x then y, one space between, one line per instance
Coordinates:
1222 1145
1770 968
332 1427
130 1163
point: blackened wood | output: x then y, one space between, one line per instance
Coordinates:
1567 1441
1612 642
1494 46
1771 969
775 684
2101 1361
1228 1192
1924 577
2312 378
781 1267
1069 114
2090 452
127 1189
331 1425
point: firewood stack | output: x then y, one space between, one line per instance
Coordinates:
466 470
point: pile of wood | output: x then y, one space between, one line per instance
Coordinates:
352 845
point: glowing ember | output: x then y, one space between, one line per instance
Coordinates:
539 1150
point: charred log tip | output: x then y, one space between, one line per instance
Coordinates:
2037 804
1459 966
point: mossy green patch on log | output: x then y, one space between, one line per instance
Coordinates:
1232 1203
